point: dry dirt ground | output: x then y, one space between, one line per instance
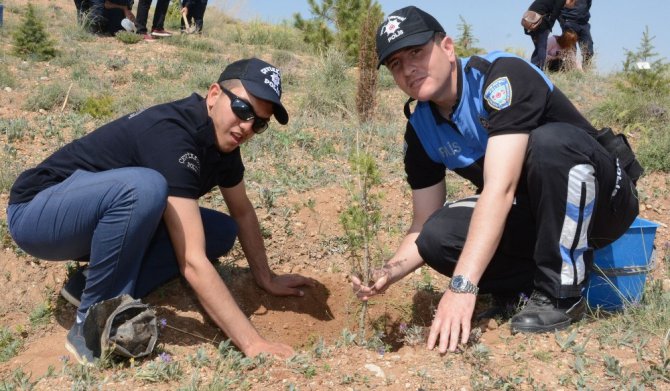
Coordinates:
324 312
308 240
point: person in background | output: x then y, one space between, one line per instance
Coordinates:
562 52
550 9
157 27
576 18
194 12
548 192
104 16
124 199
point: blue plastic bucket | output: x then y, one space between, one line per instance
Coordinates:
620 269
2 9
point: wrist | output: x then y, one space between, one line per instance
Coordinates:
461 284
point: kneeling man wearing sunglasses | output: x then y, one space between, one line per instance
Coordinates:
124 199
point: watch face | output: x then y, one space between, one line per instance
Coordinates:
458 282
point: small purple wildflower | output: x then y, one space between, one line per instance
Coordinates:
381 351
163 323
402 327
165 357
64 358
523 298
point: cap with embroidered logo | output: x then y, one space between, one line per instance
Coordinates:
409 26
261 80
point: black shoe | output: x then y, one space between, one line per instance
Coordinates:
544 314
76 344
74 286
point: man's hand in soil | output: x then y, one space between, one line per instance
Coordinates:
452 320
287 285
382 280
272 348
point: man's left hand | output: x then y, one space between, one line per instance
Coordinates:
452 320
287 285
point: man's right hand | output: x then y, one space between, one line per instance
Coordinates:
272 348
382 279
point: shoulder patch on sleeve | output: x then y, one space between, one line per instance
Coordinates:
499 93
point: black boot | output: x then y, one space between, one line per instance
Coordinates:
543 313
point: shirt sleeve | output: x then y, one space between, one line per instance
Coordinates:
515 95
421 171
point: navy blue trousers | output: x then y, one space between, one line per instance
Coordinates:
113 220
572 197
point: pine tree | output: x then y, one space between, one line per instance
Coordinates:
31 39
650 74
337 22
465 43
316 31
349 17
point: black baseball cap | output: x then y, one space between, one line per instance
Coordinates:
261 80
409 26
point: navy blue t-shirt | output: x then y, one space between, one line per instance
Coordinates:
176 139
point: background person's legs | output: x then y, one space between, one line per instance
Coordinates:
160 12
142 16
539 38
199 14
585 44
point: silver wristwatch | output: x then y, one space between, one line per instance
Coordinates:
460 284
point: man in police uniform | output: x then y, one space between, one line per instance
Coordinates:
548 192
124 199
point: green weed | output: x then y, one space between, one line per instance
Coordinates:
14 129
7 78
302 364
128 37
19 380
98 107
162 369
329 87
10 344
41 314
256 33
47 97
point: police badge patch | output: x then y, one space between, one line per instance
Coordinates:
499 93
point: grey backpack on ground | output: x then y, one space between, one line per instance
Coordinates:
123 326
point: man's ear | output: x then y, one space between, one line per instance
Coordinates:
213 94
447 44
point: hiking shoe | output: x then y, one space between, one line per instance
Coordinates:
148 38
76 344
160 33
543 313
74 286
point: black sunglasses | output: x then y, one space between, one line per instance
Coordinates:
245 112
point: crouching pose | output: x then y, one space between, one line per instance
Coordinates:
124 199
548 192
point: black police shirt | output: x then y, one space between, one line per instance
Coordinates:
176 139
534 105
